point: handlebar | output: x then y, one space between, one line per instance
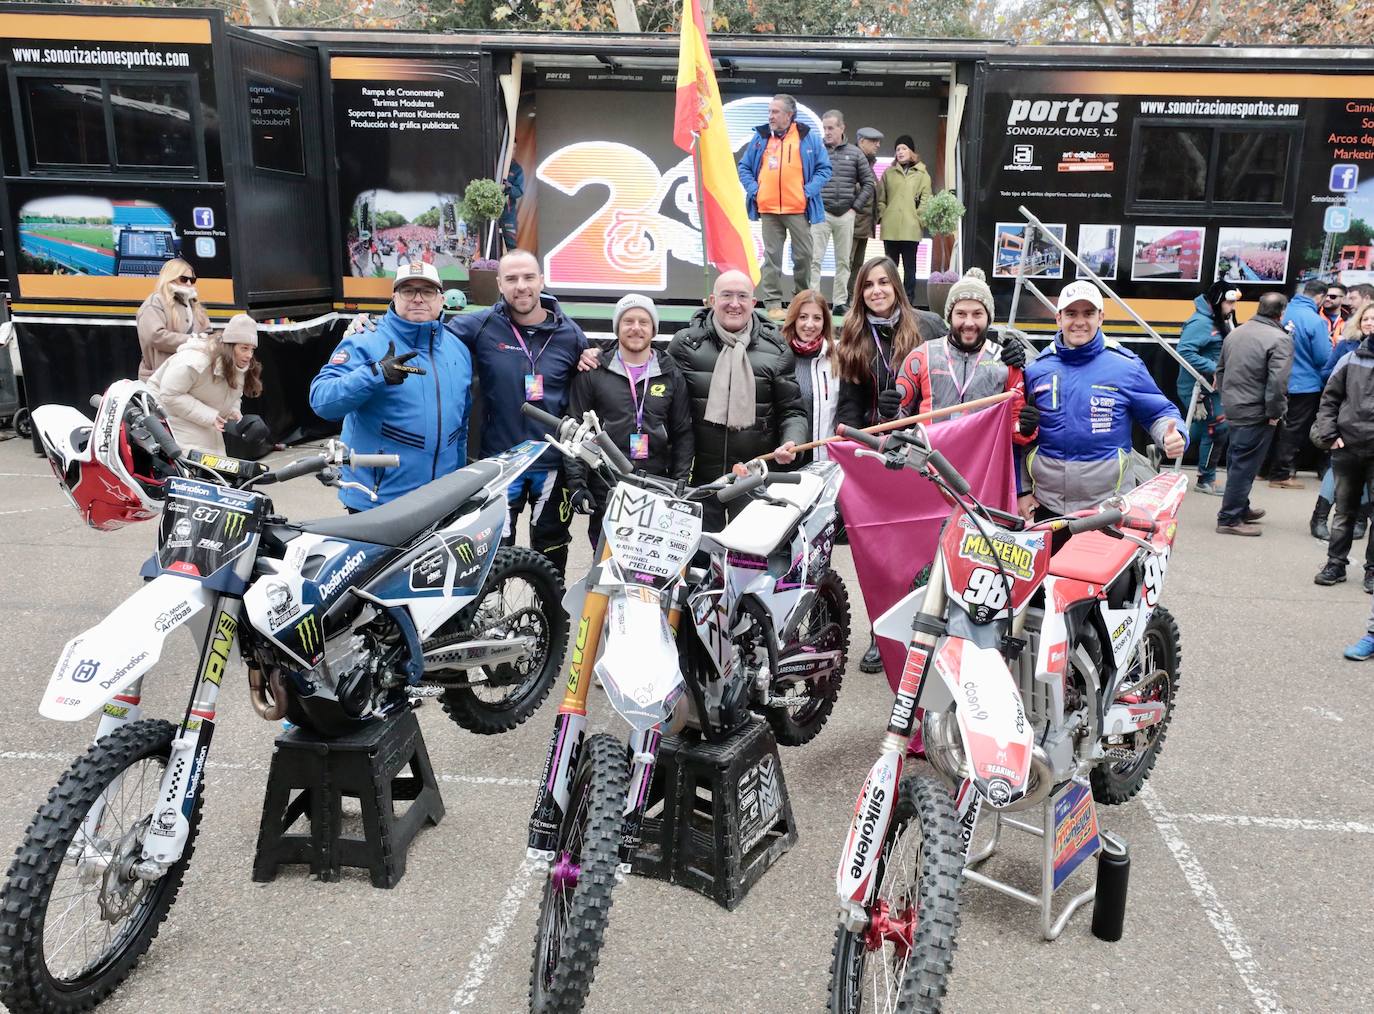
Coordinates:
948 472
1094 522
95 400
299 467
374 460
740 487
1139 525
859 437
617 460
319 462
162 435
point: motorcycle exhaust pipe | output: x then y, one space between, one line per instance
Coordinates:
945 751
273 712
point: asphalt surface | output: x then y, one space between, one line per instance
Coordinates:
1250 850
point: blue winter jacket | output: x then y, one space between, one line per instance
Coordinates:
1199 343
1338 352
815 170
424 419
502 366
1089 398
1311 345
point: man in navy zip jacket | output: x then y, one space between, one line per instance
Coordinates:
1090 393
403 388
526 349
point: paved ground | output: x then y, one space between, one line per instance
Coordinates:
1250 851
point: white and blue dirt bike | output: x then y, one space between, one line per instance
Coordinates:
341 622
766 632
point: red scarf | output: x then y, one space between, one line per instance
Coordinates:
802 348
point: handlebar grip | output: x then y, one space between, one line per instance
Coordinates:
1094 522
739 488
786 478
948 472
301 466
1139 525
95 400
613 454
375 460
540 416
859 437
162 435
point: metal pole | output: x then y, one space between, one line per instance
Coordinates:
1020 273
701 217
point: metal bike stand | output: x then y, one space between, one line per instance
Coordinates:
1050 927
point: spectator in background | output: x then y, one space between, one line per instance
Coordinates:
1345 427
202 385
851 186
1252 380
809 330
170 316
641 398
1332 310
902 192
1311 348
514 188
783 169
1357 297
1199 343
402 251
742 379
401 386
865 218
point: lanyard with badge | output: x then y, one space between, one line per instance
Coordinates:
534 380
639 440
968 377
885 360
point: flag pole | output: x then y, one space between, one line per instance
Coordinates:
701 216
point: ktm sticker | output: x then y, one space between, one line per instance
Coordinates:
339 357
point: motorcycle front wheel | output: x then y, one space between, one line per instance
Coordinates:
74 920
522 596
1160 650
576 903
901 962
797 723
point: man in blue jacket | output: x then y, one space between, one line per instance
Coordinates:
784 168
1311 348
1199 343
402 388
1089 393
526 349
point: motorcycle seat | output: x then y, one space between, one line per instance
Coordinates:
1092 557
761 527
400 521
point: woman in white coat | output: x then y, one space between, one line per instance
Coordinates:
202 386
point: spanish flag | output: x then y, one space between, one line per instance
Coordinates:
700 120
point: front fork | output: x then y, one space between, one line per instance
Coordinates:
856 879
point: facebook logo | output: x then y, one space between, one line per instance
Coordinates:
1343 178
205 217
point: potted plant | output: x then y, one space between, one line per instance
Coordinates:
483 203
941 216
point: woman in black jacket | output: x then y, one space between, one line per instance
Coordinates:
641 398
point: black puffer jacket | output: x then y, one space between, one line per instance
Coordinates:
779 414
857 405
851 184
1347 405
667 416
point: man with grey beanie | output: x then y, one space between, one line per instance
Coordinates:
641 398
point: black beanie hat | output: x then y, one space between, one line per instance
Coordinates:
906 140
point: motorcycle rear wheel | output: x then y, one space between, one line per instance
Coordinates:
1160 648
795 726
576 903
919 873
115 911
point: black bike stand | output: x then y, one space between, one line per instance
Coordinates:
718 815
309 778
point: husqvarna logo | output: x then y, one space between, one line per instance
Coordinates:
85 670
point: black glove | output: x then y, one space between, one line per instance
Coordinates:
1028 420
393 368
581 501
889 403
1013 352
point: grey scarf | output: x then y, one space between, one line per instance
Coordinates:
731 399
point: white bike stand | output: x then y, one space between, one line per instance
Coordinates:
1050 927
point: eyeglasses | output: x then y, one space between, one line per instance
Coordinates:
187 279
415 292
736 297
1333 295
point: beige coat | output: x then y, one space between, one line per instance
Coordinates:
160 334
194 393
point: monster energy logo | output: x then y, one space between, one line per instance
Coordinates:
308 630
464 550
233 524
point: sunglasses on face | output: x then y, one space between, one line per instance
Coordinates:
187 279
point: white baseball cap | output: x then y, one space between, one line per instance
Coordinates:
1075 291
416 271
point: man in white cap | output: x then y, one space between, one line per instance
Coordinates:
1089 393
401 388
641 398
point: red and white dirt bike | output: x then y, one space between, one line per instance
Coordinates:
1021 692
